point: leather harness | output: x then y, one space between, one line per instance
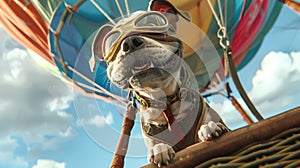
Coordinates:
179 134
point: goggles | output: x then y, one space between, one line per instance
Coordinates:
109 38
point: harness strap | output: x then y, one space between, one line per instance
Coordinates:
173 126
169 116
184 132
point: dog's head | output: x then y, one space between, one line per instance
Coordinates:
142 50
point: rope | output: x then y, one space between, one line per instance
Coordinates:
127 7
103 12
215 14
237 83
120 9
56 33
221 13
229 64
95 84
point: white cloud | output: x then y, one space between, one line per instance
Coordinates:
98 120
43 163
275 89
276 84
59 104
8 158
33 103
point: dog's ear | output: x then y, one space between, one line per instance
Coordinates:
168 7
97 50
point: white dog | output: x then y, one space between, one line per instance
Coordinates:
145 56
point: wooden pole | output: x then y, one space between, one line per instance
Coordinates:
292 4
121 150
240 109
234 141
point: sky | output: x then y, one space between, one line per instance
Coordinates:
46 124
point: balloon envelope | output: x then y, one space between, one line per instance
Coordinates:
58 30
23 22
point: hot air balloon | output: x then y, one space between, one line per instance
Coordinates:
62 32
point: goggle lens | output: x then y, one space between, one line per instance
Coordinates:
108 36
151 20
111 40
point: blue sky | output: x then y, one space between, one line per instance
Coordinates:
39 123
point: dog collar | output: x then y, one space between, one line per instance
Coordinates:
146 102
179 95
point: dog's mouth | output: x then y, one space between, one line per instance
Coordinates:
147 75
141 65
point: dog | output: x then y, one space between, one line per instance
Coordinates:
144 56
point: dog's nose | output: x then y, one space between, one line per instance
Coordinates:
132 44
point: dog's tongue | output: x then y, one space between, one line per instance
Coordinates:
141 67
151 77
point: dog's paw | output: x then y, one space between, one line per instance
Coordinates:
161 154
211 130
